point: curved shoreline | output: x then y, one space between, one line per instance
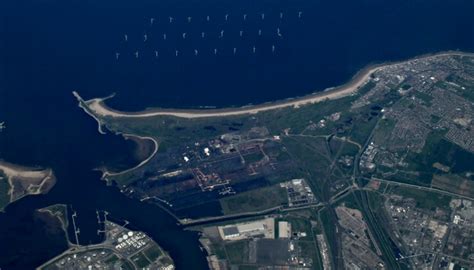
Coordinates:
83 106
106 173
98 108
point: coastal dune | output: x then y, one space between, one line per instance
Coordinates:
97 107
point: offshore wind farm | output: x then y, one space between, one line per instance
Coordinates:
173 54
229 34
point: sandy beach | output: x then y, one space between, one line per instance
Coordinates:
11 170
98 107
106 173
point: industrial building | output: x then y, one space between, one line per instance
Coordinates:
259 228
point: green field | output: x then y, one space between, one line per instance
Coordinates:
254 200
111 260
309 249
329 229
424 199
237 252
153 252
140 260
437 149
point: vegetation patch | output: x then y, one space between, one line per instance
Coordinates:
254 200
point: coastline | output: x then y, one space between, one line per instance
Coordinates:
97 108
24 181
106 173
12 170
86 110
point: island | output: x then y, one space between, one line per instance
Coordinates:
17 182
375 174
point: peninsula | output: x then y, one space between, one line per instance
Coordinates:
330 180
18 181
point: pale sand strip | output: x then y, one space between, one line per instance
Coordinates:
100 109
11 170
106 173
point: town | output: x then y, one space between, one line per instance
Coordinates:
377 179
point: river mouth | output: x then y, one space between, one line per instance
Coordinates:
50 48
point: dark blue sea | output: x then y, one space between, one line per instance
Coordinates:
251 52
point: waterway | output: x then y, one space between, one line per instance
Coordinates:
48 48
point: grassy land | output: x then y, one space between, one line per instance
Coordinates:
424 199
300 225
111 260
312 158
4 189
328 222
309 249
171 130
153 252
126 265
437 149
237 252
383 131
254 200
361 131
140 260
219 250
455 184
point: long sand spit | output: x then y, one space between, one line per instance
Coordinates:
98 107
11 170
